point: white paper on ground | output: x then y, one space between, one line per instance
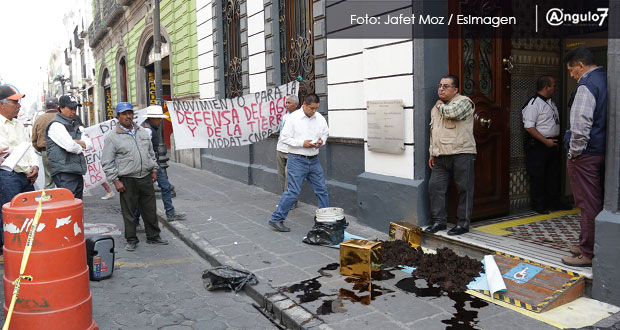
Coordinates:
494 276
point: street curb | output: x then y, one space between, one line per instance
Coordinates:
282 309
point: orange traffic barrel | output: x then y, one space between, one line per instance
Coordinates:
58 297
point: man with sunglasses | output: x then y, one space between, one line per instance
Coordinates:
12 133
65 147
452 154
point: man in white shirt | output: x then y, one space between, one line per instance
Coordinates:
13 133
541 121
65 147
304 133
292 101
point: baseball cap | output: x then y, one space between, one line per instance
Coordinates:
51 103
8 92
68 101
155 111
123 106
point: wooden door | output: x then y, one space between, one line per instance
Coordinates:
481 59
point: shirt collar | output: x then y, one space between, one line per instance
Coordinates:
3 119
587 73
542 97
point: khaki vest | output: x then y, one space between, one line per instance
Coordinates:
451 137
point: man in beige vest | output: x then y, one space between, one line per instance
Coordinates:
452 154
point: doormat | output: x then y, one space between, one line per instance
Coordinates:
557 230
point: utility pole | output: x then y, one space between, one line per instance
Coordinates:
163 158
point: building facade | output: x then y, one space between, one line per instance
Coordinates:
219 49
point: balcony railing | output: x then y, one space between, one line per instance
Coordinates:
111 12
77 41
67 56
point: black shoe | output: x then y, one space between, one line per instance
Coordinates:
157 240
542 211
176 216
279 226
435 228
457 230
131 246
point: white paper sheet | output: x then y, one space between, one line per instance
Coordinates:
16 155
494 276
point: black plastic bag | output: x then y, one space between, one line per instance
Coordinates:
227 278
326 233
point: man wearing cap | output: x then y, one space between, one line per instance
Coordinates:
154 117
38 136
128 160
65 147
12 133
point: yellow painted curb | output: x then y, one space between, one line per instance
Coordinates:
499 228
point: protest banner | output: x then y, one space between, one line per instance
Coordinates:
230 122
94 174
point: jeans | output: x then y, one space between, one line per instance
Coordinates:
166 195
299 168
461 167
11 184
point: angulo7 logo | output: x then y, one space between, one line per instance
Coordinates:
557 17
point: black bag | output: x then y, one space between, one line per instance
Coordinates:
227 278
326 233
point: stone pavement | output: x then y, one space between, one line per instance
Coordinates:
160 287
227 224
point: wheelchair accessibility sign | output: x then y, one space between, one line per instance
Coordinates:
522 273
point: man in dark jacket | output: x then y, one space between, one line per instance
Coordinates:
129 162
38 136
65 147
585 142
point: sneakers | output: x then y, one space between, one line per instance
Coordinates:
140 228
108 195
279 226
579 261
158 240
575 250
176 216
131 246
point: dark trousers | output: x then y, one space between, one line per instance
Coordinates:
461 168
586 175
71 181
11 184
543 167
139 192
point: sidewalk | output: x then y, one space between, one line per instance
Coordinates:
227 224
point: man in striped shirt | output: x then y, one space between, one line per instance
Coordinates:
585 142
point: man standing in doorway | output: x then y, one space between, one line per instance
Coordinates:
65 147
585 142
129 162
12 133
38 136
452 154
282 149
541 121
304 133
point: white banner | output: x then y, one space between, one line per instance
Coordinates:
94 174
229 122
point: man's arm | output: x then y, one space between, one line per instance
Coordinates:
58 133
581 117
456 110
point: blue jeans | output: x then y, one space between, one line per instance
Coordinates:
166 194
299 168
11 184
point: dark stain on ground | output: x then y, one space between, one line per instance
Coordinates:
445 268
332 266
362 285
463 318
310 290
331 306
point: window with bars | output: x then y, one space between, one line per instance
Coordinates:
232 48
297 43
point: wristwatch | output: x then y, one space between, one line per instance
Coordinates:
571 156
